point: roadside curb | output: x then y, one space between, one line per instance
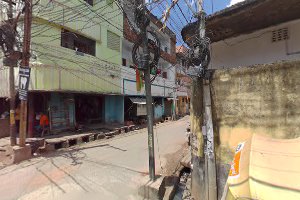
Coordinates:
164 187
73 140
171 182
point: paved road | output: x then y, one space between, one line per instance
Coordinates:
107 169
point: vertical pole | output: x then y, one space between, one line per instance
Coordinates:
174 104
12 126
210 162
149 114
210 155
25 63
145 63
12 63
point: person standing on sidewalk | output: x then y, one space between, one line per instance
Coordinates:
43 125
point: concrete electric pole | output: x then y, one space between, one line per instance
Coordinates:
142 21
8 44
12 93
210 162
150 120
25 64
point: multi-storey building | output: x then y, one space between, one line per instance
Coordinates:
164 84
75 63
183 82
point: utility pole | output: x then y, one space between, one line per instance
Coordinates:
145 65
11 61
25 63
210 161
12 94
174 102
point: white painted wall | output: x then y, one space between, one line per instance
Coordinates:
257 48
163 38
160 87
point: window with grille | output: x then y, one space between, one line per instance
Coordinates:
113 41
166 49
280 35
124 62
89 2
165 75
78 42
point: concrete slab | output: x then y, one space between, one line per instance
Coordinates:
127 129
122 130
65 144
79 140
117 131
152 190
21 153
131 127
100 136
50 147
91 138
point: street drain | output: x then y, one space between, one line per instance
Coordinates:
182 189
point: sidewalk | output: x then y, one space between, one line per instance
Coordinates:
57 141
67 139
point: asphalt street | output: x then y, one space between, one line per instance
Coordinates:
104 169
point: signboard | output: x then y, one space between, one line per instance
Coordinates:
141 110
235 167
24 78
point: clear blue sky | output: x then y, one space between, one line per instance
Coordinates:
178 20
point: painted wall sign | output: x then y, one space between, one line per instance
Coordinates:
235 166
24 78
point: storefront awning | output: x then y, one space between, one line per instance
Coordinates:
138 100
171 99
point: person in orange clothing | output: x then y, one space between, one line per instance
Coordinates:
43 125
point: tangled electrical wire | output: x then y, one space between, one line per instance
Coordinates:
154 46
142 21
200 56
7 38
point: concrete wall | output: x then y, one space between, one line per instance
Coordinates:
262 100
257 48
114 109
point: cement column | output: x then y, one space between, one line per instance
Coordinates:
198 159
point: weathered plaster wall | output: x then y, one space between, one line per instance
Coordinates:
262 100
257 48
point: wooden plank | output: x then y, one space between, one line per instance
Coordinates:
211 161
